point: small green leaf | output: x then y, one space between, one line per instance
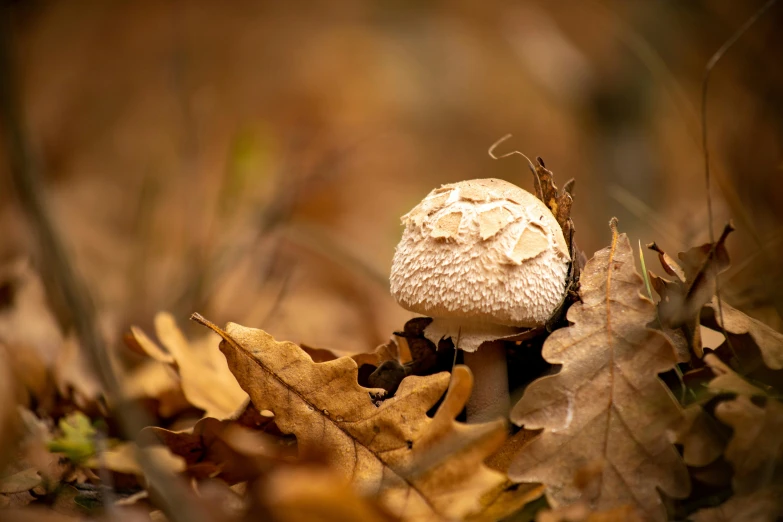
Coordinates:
77 440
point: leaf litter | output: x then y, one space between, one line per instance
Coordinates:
259 425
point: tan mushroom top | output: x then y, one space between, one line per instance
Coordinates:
481 252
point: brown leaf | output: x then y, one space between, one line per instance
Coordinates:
669 265
206 380
727 380
765 505
701 265
606 408
16 500
20 481
682 299
768 341
123 459
755 450
208 454
509 497
700 436
423 468
155 380
295 494
33 451
580 512
26 320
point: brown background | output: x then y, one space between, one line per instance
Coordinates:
250 160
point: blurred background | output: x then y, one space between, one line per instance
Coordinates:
250 160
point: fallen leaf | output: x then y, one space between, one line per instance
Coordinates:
606 408
155 380
314 494
505 500
26 320
32 456
123 459
580 512
207 454
765 505
682 299
509 497
701 265
701 437
768 341
727 380
77 441
755 450
31 375
20 481
16 500
205 377
423 468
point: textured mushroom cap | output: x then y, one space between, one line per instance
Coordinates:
483 252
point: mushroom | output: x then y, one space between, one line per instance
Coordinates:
482 258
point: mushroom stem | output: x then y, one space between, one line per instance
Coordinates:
489 399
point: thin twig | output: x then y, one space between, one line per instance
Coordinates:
713 61
176 503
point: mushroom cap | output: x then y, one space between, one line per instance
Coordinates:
482 252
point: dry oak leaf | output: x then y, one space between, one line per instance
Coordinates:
206 379
508 498
422 468
606 408
727 380
755 450
769 341
207 453
700 435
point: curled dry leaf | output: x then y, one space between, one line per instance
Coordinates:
422 468
727 380
208 453
755 451
693 287
700 435
701 265
768 341
205 378
606 409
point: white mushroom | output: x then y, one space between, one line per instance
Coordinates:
482 258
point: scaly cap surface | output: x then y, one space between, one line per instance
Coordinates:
482 251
